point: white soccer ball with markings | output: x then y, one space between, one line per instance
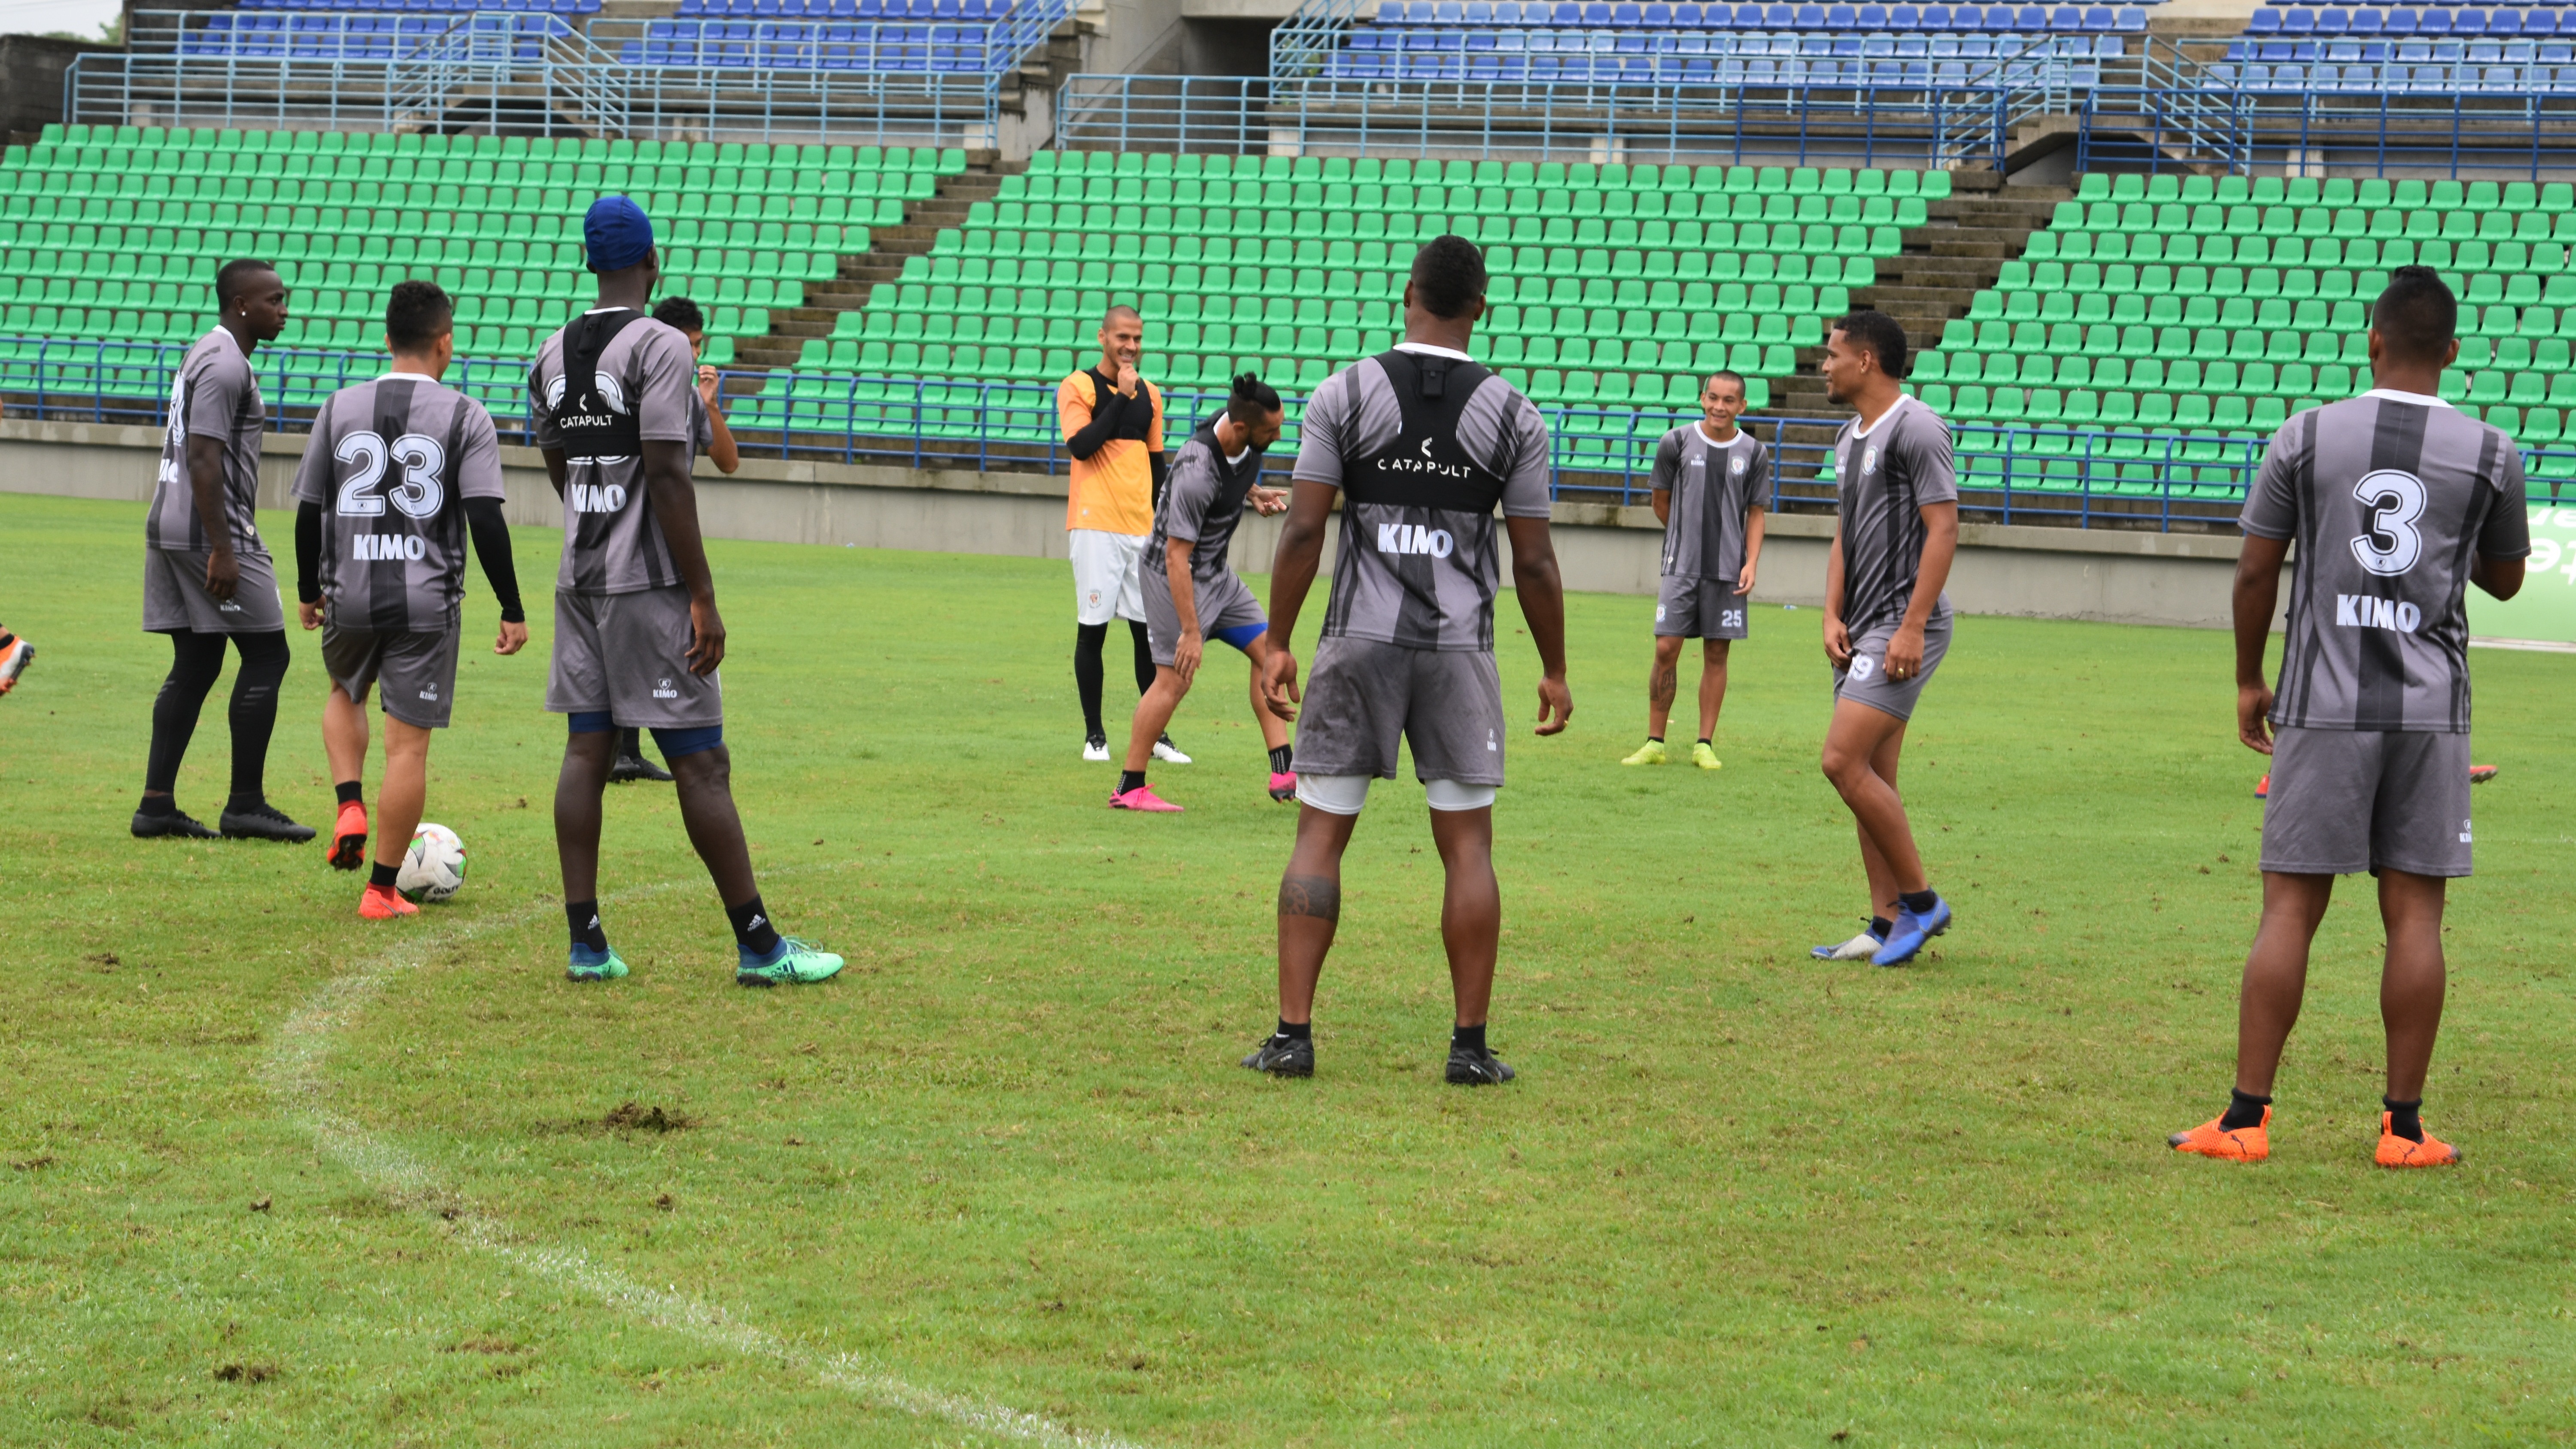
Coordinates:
434 867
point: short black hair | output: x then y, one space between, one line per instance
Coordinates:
1448 275
1115 309
1731 374
1879 333
1251 400
2417 316
680 313
235 278
416 313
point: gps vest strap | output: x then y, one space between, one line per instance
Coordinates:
589 427
1425 466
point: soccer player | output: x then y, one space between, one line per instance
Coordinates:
2398 502
637 637
206 573
15 655
1113 426
1887 621
1422 443
1190 594
708 438
1709 484
397 472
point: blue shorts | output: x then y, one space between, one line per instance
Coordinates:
672 743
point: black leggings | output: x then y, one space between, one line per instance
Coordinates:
196 660
1089 674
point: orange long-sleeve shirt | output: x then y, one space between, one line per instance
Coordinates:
1113 489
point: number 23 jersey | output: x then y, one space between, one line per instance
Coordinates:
390 463
2388 497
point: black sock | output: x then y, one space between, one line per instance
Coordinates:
1703 739
2243 1110
195 662
630 744
1470 1037
158 805
1879 926
1654 739
349 793
253 715
1279 759
1295 1030
583 916
1130 780
1144 658
255 800
1087 639
751 927
381 876
1919 902
2404 1118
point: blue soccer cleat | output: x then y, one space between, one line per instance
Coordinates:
1858 948
590 965
1910 932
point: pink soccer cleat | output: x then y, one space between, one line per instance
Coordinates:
1283 785
1143 798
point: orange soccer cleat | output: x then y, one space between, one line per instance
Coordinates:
2480 774
379 904
349 838
2396 1151
2241 1144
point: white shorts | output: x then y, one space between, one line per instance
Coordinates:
1345 794
1105 583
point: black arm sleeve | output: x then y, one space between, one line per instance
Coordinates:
308 551
1162 470
492 546
1088 440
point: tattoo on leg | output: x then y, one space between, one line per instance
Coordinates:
1319 896
1665 684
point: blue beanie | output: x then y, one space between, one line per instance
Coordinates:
616 234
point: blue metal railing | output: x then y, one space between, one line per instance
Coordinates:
2009 473
1574 122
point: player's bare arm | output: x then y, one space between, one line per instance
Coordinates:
1268 502
1753 520
1838 646
721 449
1542 595
1292 574
2501 578
206 484
1940 545
1663 505
2257 591
675 507
1192 647
554 468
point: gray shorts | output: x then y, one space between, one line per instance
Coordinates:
1227 613
175 597
2343 801
1699 609
1866 681
628 654
1363 697
417 669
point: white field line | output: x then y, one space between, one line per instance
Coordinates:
303 1044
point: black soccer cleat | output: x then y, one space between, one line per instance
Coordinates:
185 827
1284 1056
635 767
263 822
1477 1067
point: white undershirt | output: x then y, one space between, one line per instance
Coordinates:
2391 394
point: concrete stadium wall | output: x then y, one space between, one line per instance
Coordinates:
2116 576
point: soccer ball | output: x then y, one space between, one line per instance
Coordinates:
434 867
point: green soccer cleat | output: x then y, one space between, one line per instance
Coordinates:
1649 753
590 965
1704 757
794 963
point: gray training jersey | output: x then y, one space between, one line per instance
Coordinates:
2387 495
1202 503
1418 567
1715 488
391 463
215 396
1883 481
612 544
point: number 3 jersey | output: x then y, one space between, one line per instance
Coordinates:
2388 496
391 463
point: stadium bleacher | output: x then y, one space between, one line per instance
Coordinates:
2215 307
1788 59
938 12
1910 19
115 235
276 35
2537 20
433 7
824 45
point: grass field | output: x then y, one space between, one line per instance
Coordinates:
276 1176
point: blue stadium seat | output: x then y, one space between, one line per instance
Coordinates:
2266 21
2434 22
